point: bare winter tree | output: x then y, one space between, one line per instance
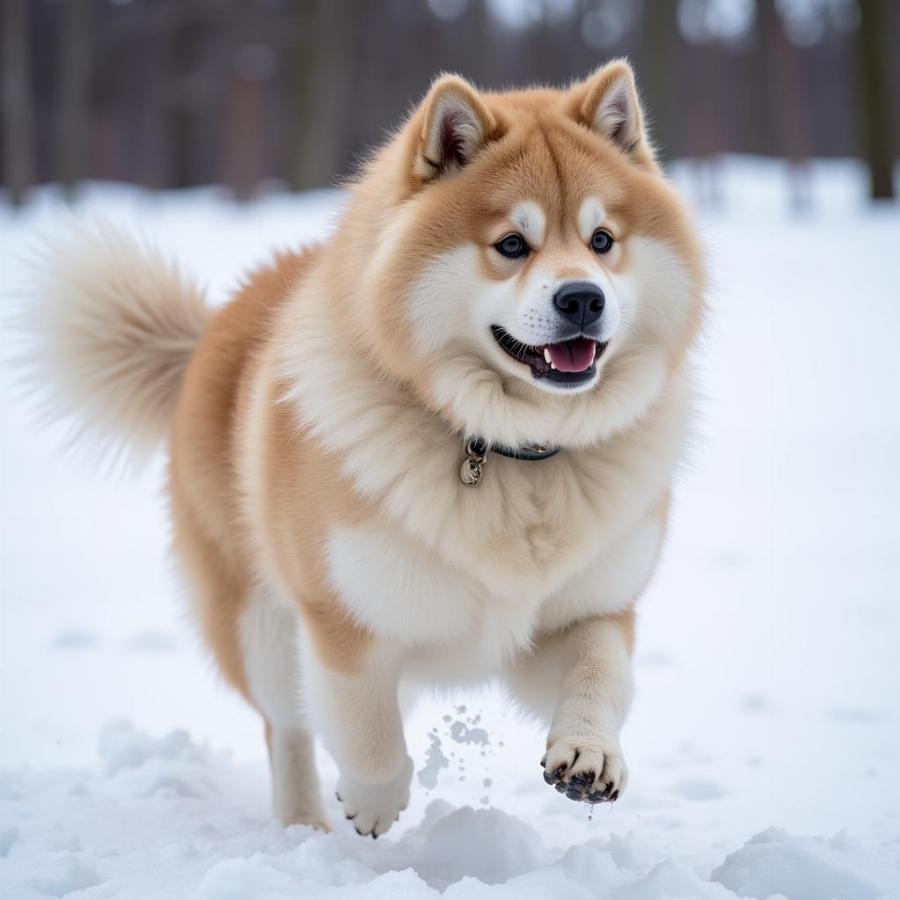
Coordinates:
18 111
74 93
324 88
785 103
875 106
658 49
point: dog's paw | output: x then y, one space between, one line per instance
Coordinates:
589 769
374 807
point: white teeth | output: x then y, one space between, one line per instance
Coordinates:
547 357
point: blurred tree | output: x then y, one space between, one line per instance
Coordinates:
18 110
184 45
74 90
787 125
324 88
657 52
875 106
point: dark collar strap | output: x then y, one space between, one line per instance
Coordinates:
528 452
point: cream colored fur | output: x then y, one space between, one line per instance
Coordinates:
335 557
110 327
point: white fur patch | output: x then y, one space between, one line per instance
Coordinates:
529 218
408 597
268 635
439 309
611 582
397 587
656 315
590 217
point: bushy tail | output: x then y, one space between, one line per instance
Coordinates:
109 327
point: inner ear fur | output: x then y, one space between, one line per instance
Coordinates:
607 102
455 126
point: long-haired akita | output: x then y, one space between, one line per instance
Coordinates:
438 448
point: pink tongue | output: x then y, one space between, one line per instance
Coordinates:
573 356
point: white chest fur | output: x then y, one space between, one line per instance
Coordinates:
407 595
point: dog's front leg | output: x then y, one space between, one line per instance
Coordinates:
584 758
357 713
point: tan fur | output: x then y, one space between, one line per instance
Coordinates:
310 422
206 501
255 493
227 480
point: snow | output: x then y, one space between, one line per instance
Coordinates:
763 744
801 867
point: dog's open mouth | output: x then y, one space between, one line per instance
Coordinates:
569 362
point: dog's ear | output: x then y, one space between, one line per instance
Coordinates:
455 126
607 102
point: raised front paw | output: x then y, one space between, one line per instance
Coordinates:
374 807
592 770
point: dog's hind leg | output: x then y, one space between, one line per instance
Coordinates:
253 637
268 637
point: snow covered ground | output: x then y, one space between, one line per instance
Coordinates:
764 743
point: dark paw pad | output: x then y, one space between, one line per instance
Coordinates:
580 787
555 778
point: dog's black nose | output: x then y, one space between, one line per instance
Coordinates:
580 302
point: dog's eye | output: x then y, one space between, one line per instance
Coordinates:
601 241
513 246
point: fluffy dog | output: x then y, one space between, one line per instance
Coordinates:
437 448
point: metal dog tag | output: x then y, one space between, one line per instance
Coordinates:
470 472
472 467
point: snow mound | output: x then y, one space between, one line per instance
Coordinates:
123 747
484 844
802 868
165 817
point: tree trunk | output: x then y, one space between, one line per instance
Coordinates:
656 73
324 95
74 92
876 112
18 112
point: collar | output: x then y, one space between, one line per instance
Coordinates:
477 450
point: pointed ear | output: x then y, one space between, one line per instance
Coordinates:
455 126
607 102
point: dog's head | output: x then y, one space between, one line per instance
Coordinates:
525 267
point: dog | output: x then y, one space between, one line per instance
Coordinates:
437 448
